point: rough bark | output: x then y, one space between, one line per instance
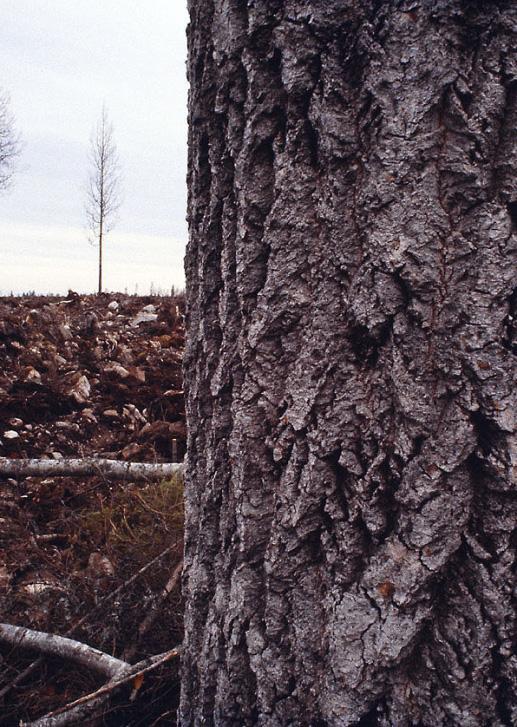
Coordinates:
88 467
350 283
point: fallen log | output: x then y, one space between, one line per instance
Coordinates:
89 467
109 597
119 672
82 709
54 645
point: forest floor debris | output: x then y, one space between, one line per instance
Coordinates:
83 376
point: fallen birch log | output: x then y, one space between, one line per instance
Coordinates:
119 672
89 467
110 596
54 645
79 711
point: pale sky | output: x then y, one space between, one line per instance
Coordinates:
60 60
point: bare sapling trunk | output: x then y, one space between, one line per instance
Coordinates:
103 190
100 259
349 364
10 145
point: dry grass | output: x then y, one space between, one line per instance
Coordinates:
134 522
107 533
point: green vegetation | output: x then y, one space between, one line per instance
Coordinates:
135 522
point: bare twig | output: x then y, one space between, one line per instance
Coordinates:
37 662
9 142
74 712
154 610
49 537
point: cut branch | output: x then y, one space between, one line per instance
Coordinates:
120 672
88 467
154 610
35 664
75 712
54 645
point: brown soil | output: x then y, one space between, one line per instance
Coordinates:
92 375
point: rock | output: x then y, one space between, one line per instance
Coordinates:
89 325
66 333
178 429
162 429
132 451
32 375
137 373
57 455
105 363
11 434
89 416
133 416
80 389
99 565
143 317
117 369
124 355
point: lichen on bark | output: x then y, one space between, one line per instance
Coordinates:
349 364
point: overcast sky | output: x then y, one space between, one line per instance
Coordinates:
60 60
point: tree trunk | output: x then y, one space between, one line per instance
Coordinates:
100 256
349 363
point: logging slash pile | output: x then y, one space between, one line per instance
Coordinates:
90 376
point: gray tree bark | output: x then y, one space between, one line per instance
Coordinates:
350 283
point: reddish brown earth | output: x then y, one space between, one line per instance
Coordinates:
81 375
89 375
